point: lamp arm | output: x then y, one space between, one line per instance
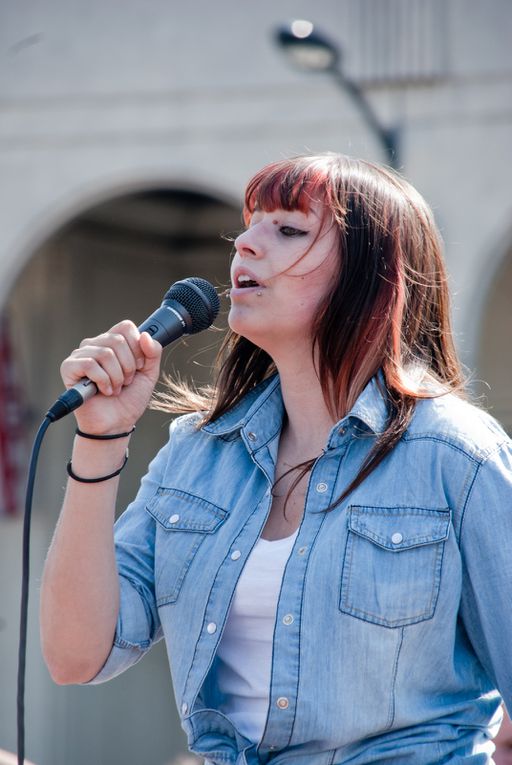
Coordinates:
388 137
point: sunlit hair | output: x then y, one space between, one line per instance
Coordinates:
388 307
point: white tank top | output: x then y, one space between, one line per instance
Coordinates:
245 649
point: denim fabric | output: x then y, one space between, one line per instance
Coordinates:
399 647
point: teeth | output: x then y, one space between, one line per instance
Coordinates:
247 280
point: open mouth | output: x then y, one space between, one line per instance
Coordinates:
243 281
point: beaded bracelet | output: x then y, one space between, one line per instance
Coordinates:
103 438
76 477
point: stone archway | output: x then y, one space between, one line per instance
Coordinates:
114 260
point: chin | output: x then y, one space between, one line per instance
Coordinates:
249 327
238 322
242 328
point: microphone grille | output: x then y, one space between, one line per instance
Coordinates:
199 298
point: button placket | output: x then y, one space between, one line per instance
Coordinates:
215 613
286 651
286 664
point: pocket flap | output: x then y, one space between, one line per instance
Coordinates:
178 510
399 528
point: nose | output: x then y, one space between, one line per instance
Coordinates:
247 244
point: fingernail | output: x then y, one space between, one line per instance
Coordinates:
140 363
108 390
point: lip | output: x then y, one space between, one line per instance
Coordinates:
237 272
240 292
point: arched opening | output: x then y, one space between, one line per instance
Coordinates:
114 260
495 348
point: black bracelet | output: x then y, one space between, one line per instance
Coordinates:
103 438
76 477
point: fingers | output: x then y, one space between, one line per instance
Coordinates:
75 368
100 364
123 339
112 359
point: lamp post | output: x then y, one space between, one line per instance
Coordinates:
309 49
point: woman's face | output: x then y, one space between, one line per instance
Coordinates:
283 266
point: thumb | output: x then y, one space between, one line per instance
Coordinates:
152 350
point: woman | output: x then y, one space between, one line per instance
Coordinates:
324 540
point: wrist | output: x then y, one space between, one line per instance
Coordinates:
104 436
94 457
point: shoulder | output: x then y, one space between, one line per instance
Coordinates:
458 423
186 424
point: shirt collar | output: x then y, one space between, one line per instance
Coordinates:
371 405
263 406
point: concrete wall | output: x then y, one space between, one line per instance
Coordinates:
101 96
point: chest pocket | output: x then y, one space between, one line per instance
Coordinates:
184 522
392 563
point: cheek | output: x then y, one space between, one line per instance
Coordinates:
308 291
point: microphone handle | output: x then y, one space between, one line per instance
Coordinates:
165 324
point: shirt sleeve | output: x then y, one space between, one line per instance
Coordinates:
486 548
138 624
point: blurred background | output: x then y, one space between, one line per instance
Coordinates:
127 132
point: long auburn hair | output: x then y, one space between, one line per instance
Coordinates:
388 307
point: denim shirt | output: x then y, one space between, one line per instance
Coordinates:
394 622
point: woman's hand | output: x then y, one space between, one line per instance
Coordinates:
125 366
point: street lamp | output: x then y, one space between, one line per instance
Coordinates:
311 50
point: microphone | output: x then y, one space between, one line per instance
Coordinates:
189 306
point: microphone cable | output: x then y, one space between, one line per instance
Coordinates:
22 654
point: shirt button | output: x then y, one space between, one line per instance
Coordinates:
251 436
321 487
272 747
288 619
396 538
211 628
302 550
341 432
235 554
184 708
282 702
174 518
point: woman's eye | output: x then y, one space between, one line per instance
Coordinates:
290 231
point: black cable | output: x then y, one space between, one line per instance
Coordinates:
24 587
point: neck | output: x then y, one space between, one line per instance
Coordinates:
308 418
